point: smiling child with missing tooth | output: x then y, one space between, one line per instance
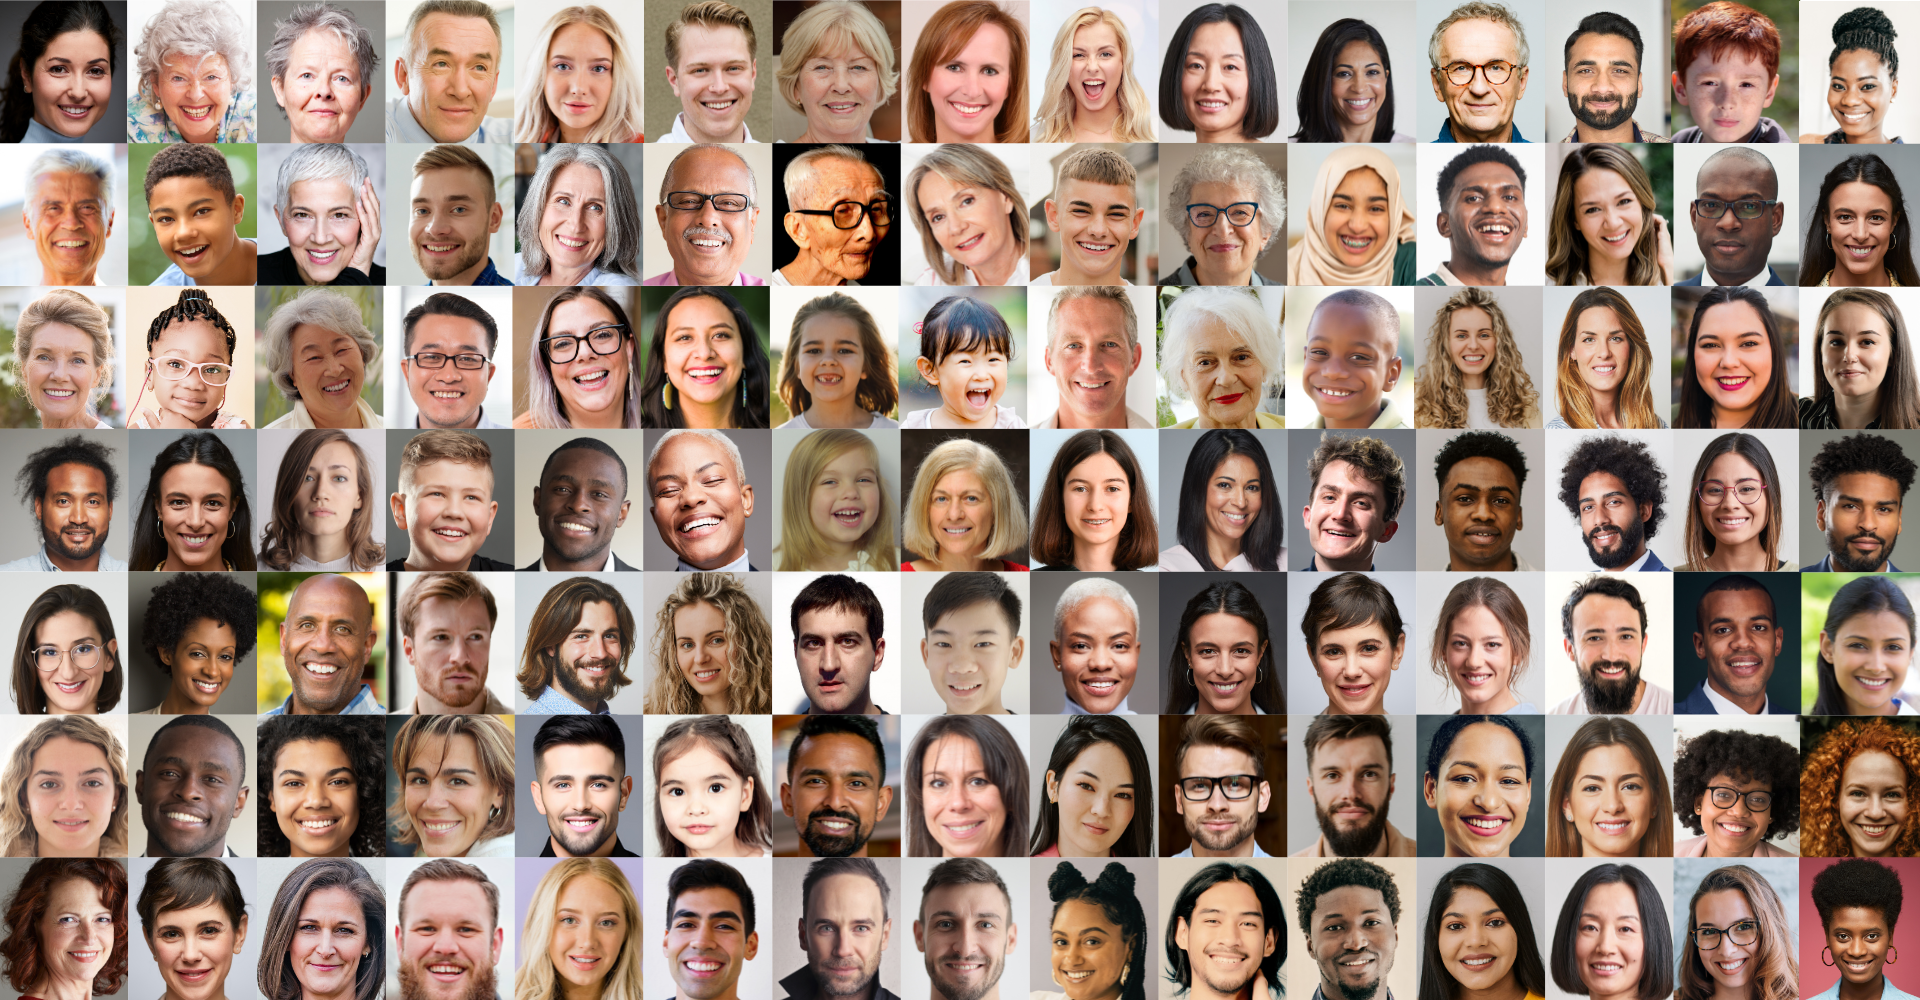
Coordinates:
837 510
966 349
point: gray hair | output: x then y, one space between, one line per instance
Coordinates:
1106 293
622 252
452 8
1238 310
1217 164
1090 589
801 170
725 442
194 28
63 160
1478 10
321 17
666 179
328 310
318 161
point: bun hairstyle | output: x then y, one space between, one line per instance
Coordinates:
1113 892
1867 28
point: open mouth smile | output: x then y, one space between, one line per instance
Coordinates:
700 527
581 824
197 114
569 242
439 249
322 256
842 108
707 375
319 827
1093 89
1359 107
720 107
77 112
1210 106
1486 826
1612 827
1230 398
851 517
192 254
966 110
1860 252
1095 248
1495 232
1733 383
1357 244
206 687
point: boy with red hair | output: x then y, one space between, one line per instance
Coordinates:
1726 60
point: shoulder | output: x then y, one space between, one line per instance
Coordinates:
1179 560
523 421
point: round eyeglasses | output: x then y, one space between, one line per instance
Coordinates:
83 655
1724 797
211 372
1714 493
600 340
1497 72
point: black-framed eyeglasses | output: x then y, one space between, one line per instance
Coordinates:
1234 787
847 214
434 359
1713 492
693 201
1240 213
601 340
177 370
1497 72
1743 933
1723 797
1714 208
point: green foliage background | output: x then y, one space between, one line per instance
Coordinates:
145 260
272 404
276 589
1785 108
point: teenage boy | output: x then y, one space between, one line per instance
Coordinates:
445 503
196 215
1352 361
973 639
1483 216
1481 474
1094 210
710 67
1726 66
1359 484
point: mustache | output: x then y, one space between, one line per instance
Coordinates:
828 812
697 231
1866 534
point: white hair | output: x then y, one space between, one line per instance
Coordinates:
621 255
725 442
318 161
62 160
325 309
1234 308
666 179
1090 589
801 170
194 28
321 17
1229 164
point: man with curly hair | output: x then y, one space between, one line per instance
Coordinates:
1859 484
1738 790
1350 915
1604 623
1615 489
71 486
1483 216
1359 484
1481 474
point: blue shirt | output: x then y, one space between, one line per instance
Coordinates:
488 276
1257 852
363 703
39 563
1887 992
552 702
177 278
1446 133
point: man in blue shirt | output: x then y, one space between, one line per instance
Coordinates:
578 645
326 641
452 216
1481 72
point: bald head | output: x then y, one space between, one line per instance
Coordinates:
325 643
1743 161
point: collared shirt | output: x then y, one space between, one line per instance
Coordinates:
363 703
619 849
1440 276
173 277
1393 844
680 133
1725 707
489 275
1446 132
403 127
803 986
672 278
740 565
1257 852
39 563
494 706
540 564
1655 700
552 702
1070 708
1759 280
1135 422
1639 135
486 423
147 121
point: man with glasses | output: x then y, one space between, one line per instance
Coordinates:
447 365
1602 82
1736 213
707 214
1222 787
846 218
1479 55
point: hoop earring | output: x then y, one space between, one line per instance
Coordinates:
493 814
1895 952
1190 682
666 393
230 529
1824 959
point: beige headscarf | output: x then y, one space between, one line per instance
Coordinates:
1312 260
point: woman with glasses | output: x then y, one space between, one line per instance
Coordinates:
190 349
1859 233
1360 227
1229 208
319 351
1866 650
1607 231
1864 378
706 367
1479 779
66 660
583 373
1859 904
1858 788
579 221
1738 944
1734 519
1479 939
195 514
1738 790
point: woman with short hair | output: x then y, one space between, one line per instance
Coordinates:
319 351
1230 209
1219 349
63 347
328 209
321 65
837 67
193 76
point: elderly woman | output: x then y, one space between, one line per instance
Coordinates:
195 74
69 933
1222 352
321 66
1229 209
579 221
330 213
63 345
971 216
1360 228
60 81
837 68
318 352
579 84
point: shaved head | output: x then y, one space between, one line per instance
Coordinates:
1382 311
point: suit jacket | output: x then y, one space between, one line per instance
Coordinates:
1773 278
1825 565
618 566
1697 703
1653 564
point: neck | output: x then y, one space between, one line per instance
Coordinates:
1072 418
947 418
1751 704
427 704
1878 137
997 271
1622 132
1366 419
592 562
222 995
992 994
1606 270
806 270
1500 703
1721 991
580 134
1471 272
1503 133
1606 407
1737 279
1844 278
325 548
346 416
1729 419
842 412
86 419
176 703
1505 564
209 561
57 988
1455 852
1208 274
1855 708
87 565
1506 989
834 556
716 704
1749 556
981 135
948 562
1358 563
1468 381
467 276
1222 550
466 423
1856 412
1071 275
1349 132
1870 990
737 135
1243 849
1091 126
568 276
1095 558
715 415
727 558
49 276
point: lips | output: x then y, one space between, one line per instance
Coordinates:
1486 826
969 243
702 968
207 687
1093 89
1356 244
1732 383
842 107
569 242
850 517
1095 248
966 110
1358 107
593 381
1476 963
318 826
197 114
699 527
439 249
1210 106
1612 827
979 399
581 824
1858 252
321 256
76 112
338 388
1495 232
192 254
706 374
1229 399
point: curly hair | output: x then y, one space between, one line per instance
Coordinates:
1375 461
1824 771
1340 874
362 739
185 599
1440 394
1480 444
1742 756
1624 458
1861 452
21 952
749 648
1857 882
1113 892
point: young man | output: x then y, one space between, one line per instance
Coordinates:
700 500
448 361
196 212
838 645
1349 912
1226 928
1093 351
1096 213
1096 646
1860 485
1737 633
1481 74
707 216
973 640
1601 80
71 486
326 642
68 213
578 645
448 935
1350 777
1736 214
448 76
709 930
1726 67
1605 622
1358 485
827 187
191 786
835 789
1221 788
966 929
581 785
1481 474
1483 216
580 501
845 928
711 69
446 634
445 503
1352 361
1617 491
453 214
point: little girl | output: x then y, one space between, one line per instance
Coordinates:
836 512
965 350
708 797
189 365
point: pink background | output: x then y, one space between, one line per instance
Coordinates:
1815 977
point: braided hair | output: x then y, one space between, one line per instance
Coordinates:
1113 892
194 303
1868 29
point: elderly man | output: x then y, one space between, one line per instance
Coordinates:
448 936
68 214
447 76
1093 348
1601 81
701 500
848 215
326 642
706 214
1736 212
579 503
448 360
1479 55
711 69
452 216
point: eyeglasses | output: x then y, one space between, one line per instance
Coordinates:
847 214
693 201
1743 933
211 372
1234 786
1497 72
1240 213
83 655
1723 797
600 340
1714 208
434 359
1713 493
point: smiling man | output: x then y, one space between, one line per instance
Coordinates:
191 786
707 212
196 213
448 361
1350 777
1738 635
326 641
1096 211
581 785
1224 935
68 213
1601 80
448 75
71 486
1736 213
579 503
846 217
845 928
1093 349
448 935
1860 485
446 634
452 215
838 643
1358 485
700 500
1483 216
1479 57
711 69
445 503
578 645
1604 625
1349 912
965 929
1481 474
710 936
835 789
1221 788
1615 489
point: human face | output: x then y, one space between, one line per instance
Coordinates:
970 383
1226 938
968 91
1734 361
966 935
328 373
832 359
1480 656
1609 942
708 245
322 224
1224 652
969 222
1097 67
194 948
321 90
1607 646
191 792
840 89
70 688
1871 653
1353 940
1733 522
1089 358
1096 798
325 640
1486 218
75 514
194 91
1214 82
1224 376
1099 494
1360 223
588 659
836 795
582 500
589 930
705 355
1089 953
1219 826
702 799
1344 516
1471 344
451 396
1860 221
1609 804
960 511
1351 782
1739 640
181 345
714 81
1602 80
1726 93
581 790
968 653
1349 363
1858 93
1224 248
61 372
451 75
1861 517
843 254
69 222
1355 664
329 941
448 798
330 493
1873 802
593 387
453 214
1477 942
1730 965
70 798
959 800
1097 654
449 513
1600 350
579 79
1482 792
844 929
76 933
573 225
1478 109
1736 249
1359 85
315 798
1859 937
1856 350
1735 831
1234 497
1609 214
837 659
447 944
202 663
700 501
1095 223
1480 511
702 650
1612 523
72 82
194 224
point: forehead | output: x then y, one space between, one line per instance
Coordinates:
585 463
966 897
448 182
1596 47
597 614
833 620
1737 604
1488 744
1210 760
1734 176
1349 900
321 43
183 188
1099 611
451 899
1348 477
1347 322
708 171
1228 897
196 743
1094 192
1478 38
333 190
709 900
328 596
844 748
1604 610
471 610
452 31
1363 748
66 182
844 893
74 477
435 328
1488 174
703 42
836 171
1482 471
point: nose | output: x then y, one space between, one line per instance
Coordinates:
459 84
1482 508
196 90
1210 80
1869 520
1730 222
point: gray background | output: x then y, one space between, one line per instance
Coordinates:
646 784
1306 695
1046 443
272 237
1029 952
530 453
912 801
1782 727
1560 880
1049 697
1046 735
531 587
756 450
1530 112
272 446
244 835
147 684
370 124
24 537
1560 730
1437 693
498 870
1530 541
1784 446
660 104
273 872
1523 308
658 587
28 586
11 872
1273 501
395 203
1302 828
1175 155
112 126
1782 873
1406 50
1656 88
1530 842
1687 158
781 916
503 653
1813 542
144 972
530 828
917 691
1527 873
1816 160
1270 589
1394 554
499 543
1652 306
143 448
1039 917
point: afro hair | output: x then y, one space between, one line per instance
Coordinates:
1481 444
1622 457
363 739
1340 874
188 598
1857 882
1741 756
1859 453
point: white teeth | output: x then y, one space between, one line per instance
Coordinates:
1336 393
323 669
1486 823
319 825
445 970
569 243
1477 963
440 247
207 687
703 965
449 395
180 817
701 522
1077 976
69 244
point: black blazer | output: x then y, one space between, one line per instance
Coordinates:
618 565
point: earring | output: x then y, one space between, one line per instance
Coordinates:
666 391
230 529
1190 682
1123 974
1894 955
493 814
1824 959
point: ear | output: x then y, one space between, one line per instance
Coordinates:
1563 85
239 208
1053 787
626 505
879 655
1137 356
1053 216
1053 649
746 500
919 936
1567 644
1139 216
753 945
1266 796
398 503
240 803
1819 513
1427 789
1826 647
1180 933
1446 228
1771 88
1386 534
1566 809
539 804
1779 218
786 799
673 81
886 803
1439 90
1436 514
795 230
746 795
1019 650
279 98
140 786
1700 644
399 77
1399 650
1523 85
1679 88
928 374
493 217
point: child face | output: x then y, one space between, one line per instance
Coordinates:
701 799
1095 223
970 382
968 653
1349 363
1355 665
194 224
180 346
844 501
449 514
1726 93
832 359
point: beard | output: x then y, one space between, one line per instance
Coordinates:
567 675
1632 535
1364 991
59 544
827 845
576 844
1843 559
414 986
953 991
1605 697
829 987
471 253
1357 842
1629 103
1222 841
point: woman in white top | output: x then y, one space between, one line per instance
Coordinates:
971 217
838 370
1091 94
324 505
456 787
1473 375
1230 517
709 792
319 351
63 343
586 230
837 68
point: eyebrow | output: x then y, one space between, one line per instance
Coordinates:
715 915
455 196
1602 777
482 56
978 913
590 777
1117 784
1509 766
211 765
1729 619
858 772
444 770
1484 913
348 771
1242 913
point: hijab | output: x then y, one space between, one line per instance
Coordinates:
1312 261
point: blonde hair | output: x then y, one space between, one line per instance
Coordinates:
1098 165
16 819
1575 400
450 156
428 447
64 305
968 164
829 25
620 122
962 455
492 744
535 979
946 33
799 544
712 14
1054 122
749 648
1440 396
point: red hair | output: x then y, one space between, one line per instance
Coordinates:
21 949
1723 25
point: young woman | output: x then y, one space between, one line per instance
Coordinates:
584 371
455 774
1738 944
964 513
66 660
580 83
713 650
197 629
710 794
836 512
838 370
323 508
194 919
564 957
1098 795
700 329
1217 80
326 934
1605 377
970 54
1360 227
1479 779
1864 377
1606 230
1223 659
1859 904
837 68
1863 77
1613 941
346 758
1737 789
67 923
1091 94
1866 650
1095 514
76 804
1734 519
189 364
71 50
1609 795
1859 233
1480 647
194 513
967 784
1479 939
1858 790
1736 371
1227 521
1099 936
968 209
1474 376
1355 640
1346 94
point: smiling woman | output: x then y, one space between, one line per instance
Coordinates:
195 76
63 349
967 81
77 808
326 934
1738 942
319 350
1608 798
67 658
579 221
837 67
1479 938
456 787
60 82
966 779
1223 660
579 83
598 957
197 630
322 779
66 957
1857 792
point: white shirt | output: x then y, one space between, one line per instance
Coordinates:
1135 422
1005 419
799 423
1656 700
1022 274
1725 707
1757 281
1046 281
740 565
1069 708
1477 418
403 127
680 133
